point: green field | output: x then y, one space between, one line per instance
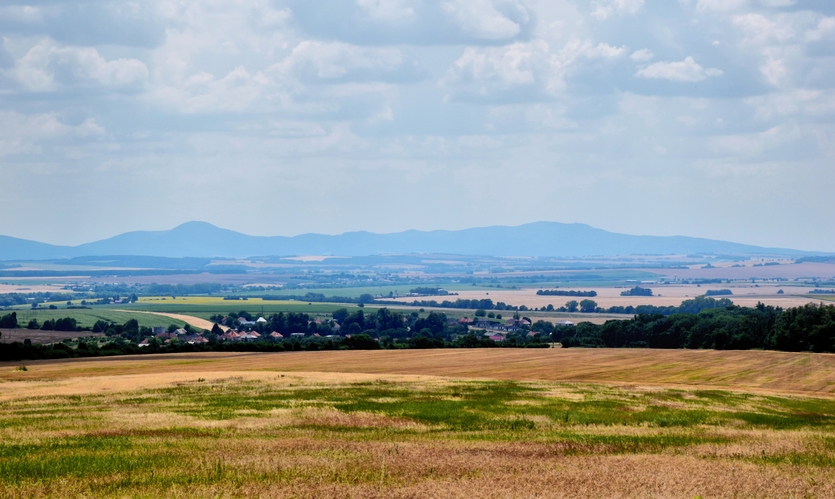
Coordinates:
88 317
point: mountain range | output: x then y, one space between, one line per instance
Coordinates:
539 239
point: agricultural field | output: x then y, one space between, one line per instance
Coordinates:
465 423
744 294
88 317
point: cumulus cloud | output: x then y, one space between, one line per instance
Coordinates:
642 55
316 60
605 9
482 18
522 71
686 70
720 5
25 134
387 10
48 66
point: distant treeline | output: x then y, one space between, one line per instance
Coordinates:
560 292
718 292
810 328
637 291
429 291
486 304
9 321
203 288
12 299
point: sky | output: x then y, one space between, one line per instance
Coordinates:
707 118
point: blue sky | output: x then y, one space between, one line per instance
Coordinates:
709 118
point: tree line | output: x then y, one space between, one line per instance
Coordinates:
810 328
561 292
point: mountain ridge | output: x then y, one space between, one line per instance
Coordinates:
536 239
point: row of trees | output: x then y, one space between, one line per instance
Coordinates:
810 328
561 292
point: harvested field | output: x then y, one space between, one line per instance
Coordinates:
38 336
563 423
665 295
735 370
200 429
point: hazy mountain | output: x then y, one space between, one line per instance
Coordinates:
200 239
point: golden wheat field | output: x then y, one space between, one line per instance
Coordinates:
433 423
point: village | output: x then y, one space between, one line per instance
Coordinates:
243 329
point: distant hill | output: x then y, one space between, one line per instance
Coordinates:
539 239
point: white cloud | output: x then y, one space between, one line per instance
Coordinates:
387 10
494 71
720 5
25 134
48 66
642 55
604 9
686 70
329 60
481 19
824 29
759 29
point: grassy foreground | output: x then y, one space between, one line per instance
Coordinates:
193 427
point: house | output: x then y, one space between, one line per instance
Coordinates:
297 335
231 336
496 337
180 332
165 336
465 321
336 327
158 330
276 335
194 339
144 343
244 322
563 323
261 320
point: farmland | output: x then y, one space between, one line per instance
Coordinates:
88 317
558 423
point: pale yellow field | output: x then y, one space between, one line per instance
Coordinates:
39 288
745 295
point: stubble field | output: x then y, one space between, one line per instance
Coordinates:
463 423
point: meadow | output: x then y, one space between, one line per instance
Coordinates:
468 423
